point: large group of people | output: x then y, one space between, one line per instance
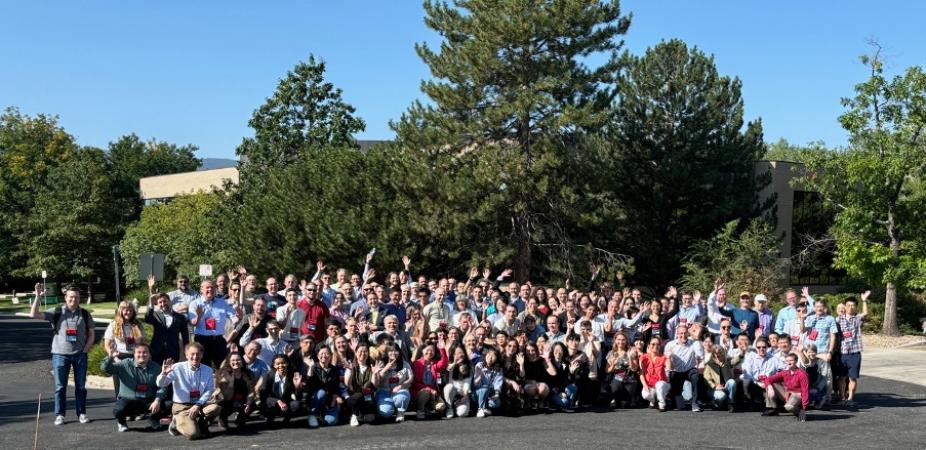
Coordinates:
345 349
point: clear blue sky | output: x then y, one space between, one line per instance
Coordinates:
192 72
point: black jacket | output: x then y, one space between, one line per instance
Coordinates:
166 341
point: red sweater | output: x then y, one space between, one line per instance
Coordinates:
654 369
418 368
794 381
315 316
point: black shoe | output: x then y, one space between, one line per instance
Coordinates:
769 412
731 408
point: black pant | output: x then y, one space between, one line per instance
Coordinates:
677 380
215 349
128 408
359 405
626 390
230 407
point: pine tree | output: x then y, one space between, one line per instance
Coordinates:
512 94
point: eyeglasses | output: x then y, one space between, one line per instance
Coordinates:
724 328
761 348
654 345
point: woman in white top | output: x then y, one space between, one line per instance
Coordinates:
123 333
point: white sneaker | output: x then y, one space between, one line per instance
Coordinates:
449 414
481 413
313 421
59 420
400 417
121 428
462 410
354 420
83 418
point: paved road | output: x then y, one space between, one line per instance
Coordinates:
892 415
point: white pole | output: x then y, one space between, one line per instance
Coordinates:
35 443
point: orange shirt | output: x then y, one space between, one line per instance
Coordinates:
654 369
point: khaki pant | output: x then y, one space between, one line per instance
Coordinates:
425 399
189 427
777 391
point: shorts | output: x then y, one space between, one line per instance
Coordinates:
837 366
853 364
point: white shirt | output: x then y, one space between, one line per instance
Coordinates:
185 381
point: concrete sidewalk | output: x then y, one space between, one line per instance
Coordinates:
907 365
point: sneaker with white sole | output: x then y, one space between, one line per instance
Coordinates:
83 418
121 428
172 429
449 414
313 421
59 420
481 413
354 420
400 417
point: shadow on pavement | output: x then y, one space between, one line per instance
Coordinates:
24 411
869 400
23 339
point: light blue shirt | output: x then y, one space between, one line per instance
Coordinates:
185 381
218 309
755 366
785 315
823 325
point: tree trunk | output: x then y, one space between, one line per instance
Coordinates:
522 259
889 325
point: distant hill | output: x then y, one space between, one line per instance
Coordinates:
217 163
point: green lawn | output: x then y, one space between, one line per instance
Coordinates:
103 310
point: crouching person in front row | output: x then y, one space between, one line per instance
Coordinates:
138 393
193 384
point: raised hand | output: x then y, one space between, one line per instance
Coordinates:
232 276
473 272
486 273
167 366
595 268
696 296
520 359
507 273
672 292
297 379
865 295
320 265
370 255
371 274
150 282
242 271
38 289
406 262
805 292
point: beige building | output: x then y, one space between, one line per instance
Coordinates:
165 187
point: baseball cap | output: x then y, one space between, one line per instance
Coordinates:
761 298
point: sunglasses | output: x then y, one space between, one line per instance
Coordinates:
724 328
761 348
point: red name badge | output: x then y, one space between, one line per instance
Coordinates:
71 331
657 326
210 324
683 320
141 387
366 391
738 371
846 334
812 336
130 340
238 397
194 395
293 330
393 380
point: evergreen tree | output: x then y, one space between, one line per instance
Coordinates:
682 165
512 94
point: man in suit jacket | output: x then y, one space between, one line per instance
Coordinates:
400 337
170 329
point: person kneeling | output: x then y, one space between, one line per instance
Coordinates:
791 386
277 391
137 386
193 384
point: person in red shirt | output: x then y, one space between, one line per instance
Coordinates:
427 378
316 314
790 385
653 375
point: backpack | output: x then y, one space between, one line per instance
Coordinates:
59 312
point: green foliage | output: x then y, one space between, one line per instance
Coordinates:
497 146
75 220
186 230
95 357
747 260
681 163
304 112
29 148
334 204
133 159
875 184
786 151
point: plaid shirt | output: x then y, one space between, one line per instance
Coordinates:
851 329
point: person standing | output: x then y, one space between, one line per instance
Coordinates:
181 297
138 393
193 384
170 329
850 324
208 315
74 334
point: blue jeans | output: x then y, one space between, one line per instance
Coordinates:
388 403
485 398
318 403
61 368
727 394
565 399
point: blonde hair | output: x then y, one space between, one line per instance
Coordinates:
118 322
